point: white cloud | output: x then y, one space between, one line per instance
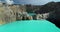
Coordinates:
9 2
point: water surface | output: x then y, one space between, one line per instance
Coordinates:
29 26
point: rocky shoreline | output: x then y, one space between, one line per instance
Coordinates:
49 11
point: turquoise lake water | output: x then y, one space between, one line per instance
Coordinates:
29 26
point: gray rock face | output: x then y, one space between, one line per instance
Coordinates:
7 15
42 16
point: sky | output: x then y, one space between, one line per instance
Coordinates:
33 2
